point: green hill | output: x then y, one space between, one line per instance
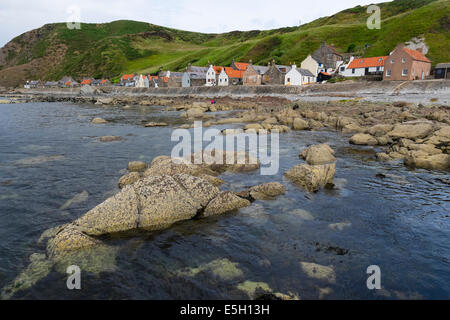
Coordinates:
108 50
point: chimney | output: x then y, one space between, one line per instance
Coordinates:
251 61
420 49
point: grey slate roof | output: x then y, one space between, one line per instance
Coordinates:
260 69
198 69
305 73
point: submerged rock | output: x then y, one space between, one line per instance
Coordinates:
38 160
319 272
221 268
110 139
38 269
254 289
99 121
79 198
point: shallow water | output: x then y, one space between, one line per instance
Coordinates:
50 154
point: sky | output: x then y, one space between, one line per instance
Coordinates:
209 16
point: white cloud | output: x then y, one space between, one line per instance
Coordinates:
212 16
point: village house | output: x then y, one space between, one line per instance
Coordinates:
170 79
223 79
406 64
142 82
253 75
275 74
326 59
212 75
298 77
193 79
239 66
32 84
153 81
329 57
363 67
163 82
128 80
87 82
234 76
66 80
105 83
71 84
313 65
442 71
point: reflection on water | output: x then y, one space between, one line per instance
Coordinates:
53 170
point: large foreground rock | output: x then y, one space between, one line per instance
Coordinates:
151 203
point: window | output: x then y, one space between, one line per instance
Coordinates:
353 71
289 79
403 60
404 72
342 69
392 61
378 68
388 73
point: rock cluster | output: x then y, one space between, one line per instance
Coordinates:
319 170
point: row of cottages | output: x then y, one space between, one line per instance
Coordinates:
402 64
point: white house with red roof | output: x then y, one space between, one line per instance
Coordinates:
212 75
363 66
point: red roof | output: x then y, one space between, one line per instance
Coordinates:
127 76
86 81
325 73
368 62
103 81
242 66
218 69
416 55
234 73
165 79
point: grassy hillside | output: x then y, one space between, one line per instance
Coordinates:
108 50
